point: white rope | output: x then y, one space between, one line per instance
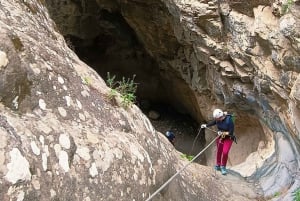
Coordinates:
195 140
198 135
167 182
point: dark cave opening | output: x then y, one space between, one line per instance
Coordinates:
188 139
117 50
105 41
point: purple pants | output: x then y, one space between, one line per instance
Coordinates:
223 147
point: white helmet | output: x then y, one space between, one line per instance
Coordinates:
168 133
217 113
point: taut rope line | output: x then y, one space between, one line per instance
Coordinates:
167 182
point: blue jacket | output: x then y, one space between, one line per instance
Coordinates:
226 125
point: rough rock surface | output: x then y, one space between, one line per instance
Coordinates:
63 139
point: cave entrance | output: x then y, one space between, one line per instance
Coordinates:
117 50
105 41
165 117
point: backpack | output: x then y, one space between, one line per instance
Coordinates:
231 118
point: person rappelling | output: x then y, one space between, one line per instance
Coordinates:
171 137
225 126
224 139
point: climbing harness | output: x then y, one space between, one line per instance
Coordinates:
167 182
223 134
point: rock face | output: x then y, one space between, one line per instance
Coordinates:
62 138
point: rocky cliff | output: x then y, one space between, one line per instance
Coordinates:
62 138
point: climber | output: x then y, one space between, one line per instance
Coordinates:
171 137
225 126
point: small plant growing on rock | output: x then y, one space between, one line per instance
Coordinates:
277 194
111 84
286 6
189 157
126 88
87 81
297 195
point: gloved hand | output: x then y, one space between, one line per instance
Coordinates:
203 125
220 133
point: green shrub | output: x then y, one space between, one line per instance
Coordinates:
87 81
286 6
126 87
189 157
277 194
297 195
